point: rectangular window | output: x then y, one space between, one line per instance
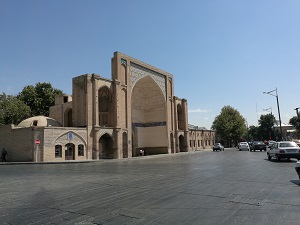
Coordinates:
80 150
58 150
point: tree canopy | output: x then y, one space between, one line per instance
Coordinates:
295 121
230 125
39 98
266 123
12 110
254 133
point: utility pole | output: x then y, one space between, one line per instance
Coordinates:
276 95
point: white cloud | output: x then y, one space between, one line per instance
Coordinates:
198 111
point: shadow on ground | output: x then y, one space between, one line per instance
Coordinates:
297 182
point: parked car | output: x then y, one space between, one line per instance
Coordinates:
284 149
258 145
218 146
244 146
298 168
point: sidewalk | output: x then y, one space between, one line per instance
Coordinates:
99 160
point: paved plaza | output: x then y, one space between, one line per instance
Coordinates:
203 187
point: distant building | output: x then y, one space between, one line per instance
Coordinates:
288 131
112 119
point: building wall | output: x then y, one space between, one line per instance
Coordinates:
146 92
139 111
201 139
63 136
20 142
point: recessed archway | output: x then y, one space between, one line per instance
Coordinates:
106 150
181 144
149 117
125 145
68 118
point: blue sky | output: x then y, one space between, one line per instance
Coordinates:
221 52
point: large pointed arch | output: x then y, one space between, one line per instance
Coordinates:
148 111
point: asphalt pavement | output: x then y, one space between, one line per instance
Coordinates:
202 187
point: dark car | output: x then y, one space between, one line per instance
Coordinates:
258 145
218 146
298 168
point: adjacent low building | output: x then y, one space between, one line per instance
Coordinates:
109 119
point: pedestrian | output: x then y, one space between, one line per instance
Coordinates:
145 153
3 155
141 152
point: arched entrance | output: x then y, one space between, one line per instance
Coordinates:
181 144
106 150
172 143
148 117
125 145
69 151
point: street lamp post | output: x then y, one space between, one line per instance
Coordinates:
276 95
297 112
268 110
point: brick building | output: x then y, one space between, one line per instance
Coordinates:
105 118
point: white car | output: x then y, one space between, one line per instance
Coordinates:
271 143
244 146
284 149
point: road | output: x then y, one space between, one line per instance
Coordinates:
202 187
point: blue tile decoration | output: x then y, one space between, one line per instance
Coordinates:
137 72
124 62
152 124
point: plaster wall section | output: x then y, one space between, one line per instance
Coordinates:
79 94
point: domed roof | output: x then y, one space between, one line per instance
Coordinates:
39 121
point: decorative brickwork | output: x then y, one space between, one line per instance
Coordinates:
137 72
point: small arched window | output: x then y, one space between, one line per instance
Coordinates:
58 151
80 150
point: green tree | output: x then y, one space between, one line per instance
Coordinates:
254 133
39 98
12 110
230 125
266 123
295 121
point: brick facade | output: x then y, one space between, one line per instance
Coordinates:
114 118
